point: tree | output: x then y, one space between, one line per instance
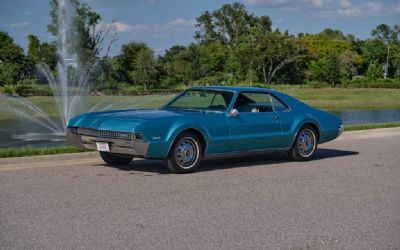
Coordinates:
332 69
384 32
173 66
326 42
127 59
13 63
228 23
42 52
172 53
350 62
374 51
111 67
91 35
395 59
374 71
275 50
145 71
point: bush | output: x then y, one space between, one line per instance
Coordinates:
25 87
360 79
8 89
317 85
29 87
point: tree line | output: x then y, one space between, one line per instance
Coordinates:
232 46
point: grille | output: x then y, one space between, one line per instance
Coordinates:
105 134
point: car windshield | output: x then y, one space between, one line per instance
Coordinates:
200 99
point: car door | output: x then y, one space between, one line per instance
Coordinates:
256 126
286 118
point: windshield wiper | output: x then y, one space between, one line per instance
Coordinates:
185 108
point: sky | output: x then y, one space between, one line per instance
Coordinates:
163 23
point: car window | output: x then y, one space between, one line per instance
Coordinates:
253 102
278 105
218 102
203 99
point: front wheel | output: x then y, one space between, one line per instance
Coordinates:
185 154
305 144
115 159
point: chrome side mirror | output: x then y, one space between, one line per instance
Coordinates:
233 113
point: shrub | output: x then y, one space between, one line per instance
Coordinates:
317 85
25 87
9 89
29 87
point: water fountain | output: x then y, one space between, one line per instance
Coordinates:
69 85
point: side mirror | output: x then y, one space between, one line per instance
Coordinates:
233 113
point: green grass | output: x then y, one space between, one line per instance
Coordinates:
30 151
325 98
49 106
339 99
372 126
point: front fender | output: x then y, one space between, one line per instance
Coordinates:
159 149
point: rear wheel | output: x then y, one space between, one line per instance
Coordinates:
185 154
305 144
115 159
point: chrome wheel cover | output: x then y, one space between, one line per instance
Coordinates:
186 152
306 142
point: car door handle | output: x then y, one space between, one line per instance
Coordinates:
275 117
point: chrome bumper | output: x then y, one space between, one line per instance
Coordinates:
341 129
118 146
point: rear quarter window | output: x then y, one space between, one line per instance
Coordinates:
279 106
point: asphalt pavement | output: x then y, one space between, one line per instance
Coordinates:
347 198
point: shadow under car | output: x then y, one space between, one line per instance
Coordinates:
232 161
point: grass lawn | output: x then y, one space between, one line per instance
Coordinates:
48 104
338 99
372 126
326 98
29 151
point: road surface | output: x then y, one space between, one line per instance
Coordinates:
347 198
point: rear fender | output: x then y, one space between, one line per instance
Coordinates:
296 128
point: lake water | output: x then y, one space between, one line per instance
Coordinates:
368 116
11 129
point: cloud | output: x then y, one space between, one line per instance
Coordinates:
155 30
331 8
18 24
180 24
121 27
397 7
122 1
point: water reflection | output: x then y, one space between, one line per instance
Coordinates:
368 116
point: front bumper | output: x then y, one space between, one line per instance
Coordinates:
132 146
340 130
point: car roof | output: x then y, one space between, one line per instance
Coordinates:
233 88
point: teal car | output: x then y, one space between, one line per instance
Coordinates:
206 121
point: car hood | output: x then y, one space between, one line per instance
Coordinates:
122 120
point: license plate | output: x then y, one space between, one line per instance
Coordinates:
103 146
